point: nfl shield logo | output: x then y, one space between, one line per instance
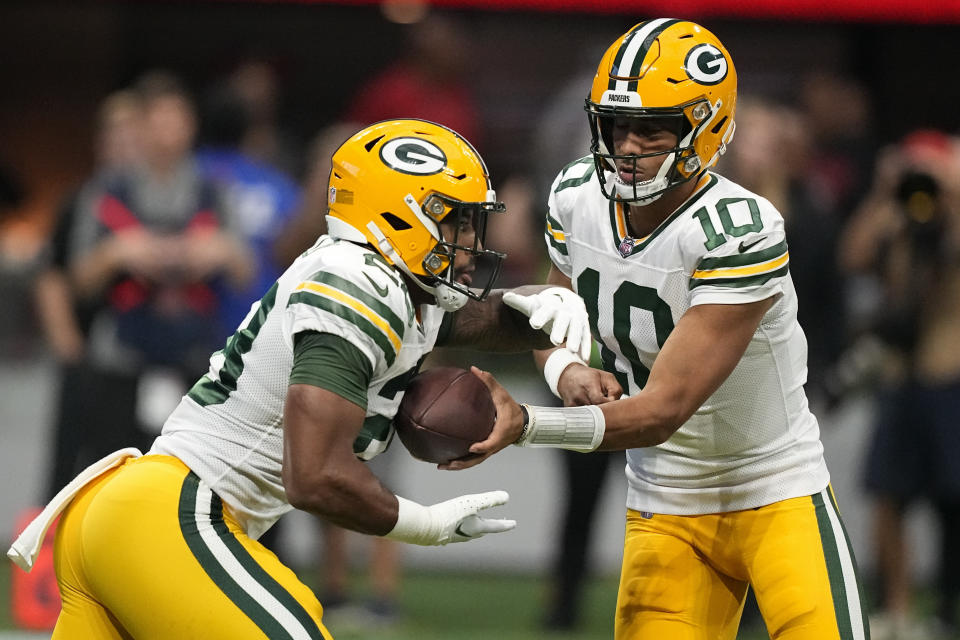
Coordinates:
626 246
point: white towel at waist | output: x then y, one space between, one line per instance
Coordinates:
26 547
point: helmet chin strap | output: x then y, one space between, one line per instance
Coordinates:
448 298
649 191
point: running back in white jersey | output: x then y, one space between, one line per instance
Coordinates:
754 441
228 428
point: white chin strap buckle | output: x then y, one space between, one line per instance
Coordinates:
448 298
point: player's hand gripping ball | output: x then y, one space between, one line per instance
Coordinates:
444 410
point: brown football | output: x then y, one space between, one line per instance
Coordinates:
444 410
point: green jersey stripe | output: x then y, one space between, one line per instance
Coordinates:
346 313
270 626
743 281
352 290
559 246
744 259
579 180
376 428
553 224
554 228
209 391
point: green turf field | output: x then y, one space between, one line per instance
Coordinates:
468 606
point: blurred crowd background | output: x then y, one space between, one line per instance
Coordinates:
161 163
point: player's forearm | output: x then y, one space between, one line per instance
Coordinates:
540 356
54 306
702 351
614 426
321 474
645 420
364 506
341 490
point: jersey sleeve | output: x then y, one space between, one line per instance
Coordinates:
560 208
362 305
736 252
331 363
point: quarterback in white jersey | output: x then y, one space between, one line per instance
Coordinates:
723 245
685 276
165 545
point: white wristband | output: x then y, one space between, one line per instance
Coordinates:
575 428
413 523
556 364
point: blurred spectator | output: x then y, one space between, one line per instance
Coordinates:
78 437
772 158
259 200
20 263
153 250
906 234
837 110
429 80
25 391
256 83
309 223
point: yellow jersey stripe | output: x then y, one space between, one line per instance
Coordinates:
357 306
749 270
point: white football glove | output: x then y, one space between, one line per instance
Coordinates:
559 312
454 520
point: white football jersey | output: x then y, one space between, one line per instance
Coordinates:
228 428
754 441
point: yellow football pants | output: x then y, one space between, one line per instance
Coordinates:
147 551
686 577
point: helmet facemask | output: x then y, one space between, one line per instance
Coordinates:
440 262
440 278
680 163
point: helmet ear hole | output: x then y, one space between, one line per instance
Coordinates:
395 221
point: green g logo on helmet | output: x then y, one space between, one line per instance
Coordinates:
413 156
705 64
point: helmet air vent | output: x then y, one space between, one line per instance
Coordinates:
460 177
395 221
373 142
716 128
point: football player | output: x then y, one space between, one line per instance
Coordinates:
686 279
165 545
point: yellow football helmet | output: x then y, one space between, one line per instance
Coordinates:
392 183
674 73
